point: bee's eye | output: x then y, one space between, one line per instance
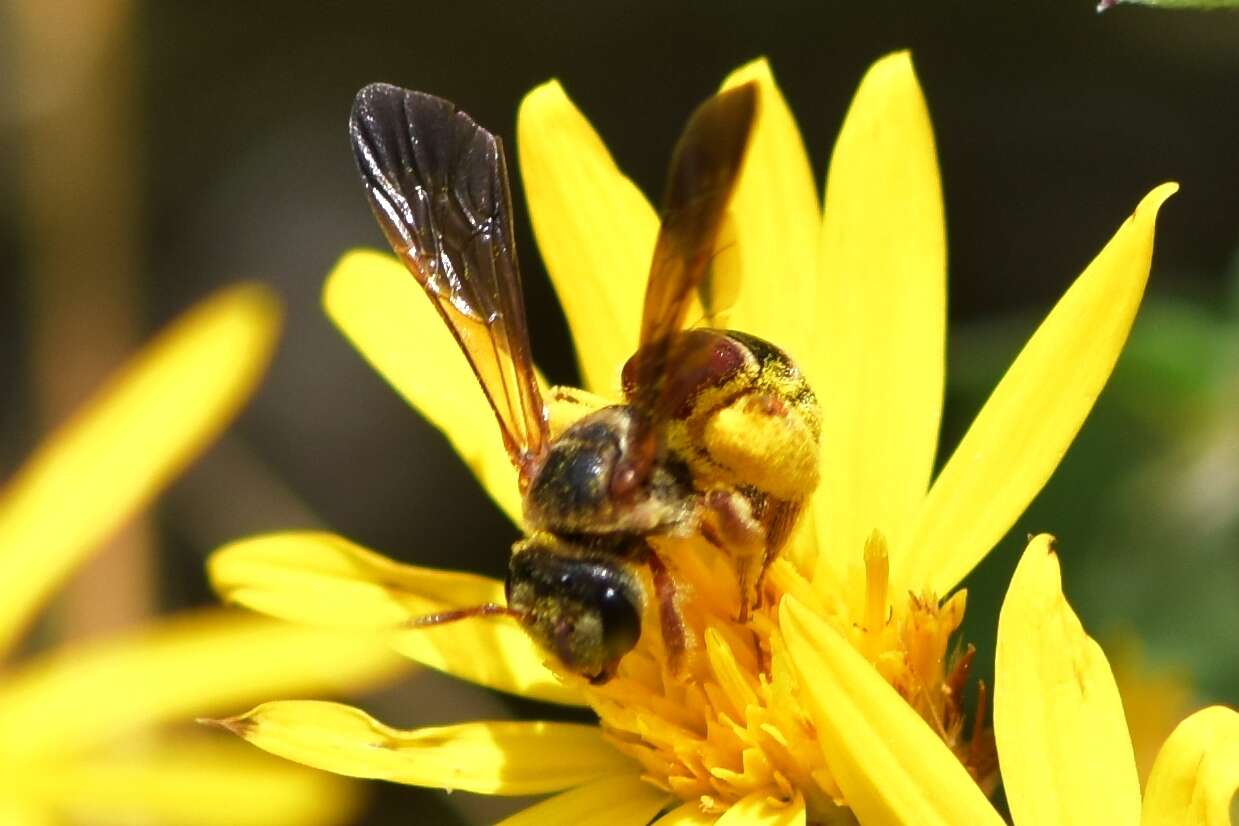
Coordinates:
621 622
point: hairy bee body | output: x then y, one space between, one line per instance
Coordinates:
741 416
729 452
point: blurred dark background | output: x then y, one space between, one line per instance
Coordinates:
152 152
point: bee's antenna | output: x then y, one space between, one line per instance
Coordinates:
490 609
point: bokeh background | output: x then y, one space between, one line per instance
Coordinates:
152 152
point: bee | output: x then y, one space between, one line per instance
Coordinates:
718 433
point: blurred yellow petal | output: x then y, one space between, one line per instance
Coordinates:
1196 774
881 306
612 801
775 217
195 783
383 311
15 812
325 580
594 228
509 758
1022 432
87 694
688 814
891 767
757 810
1062 739
136 434
1156 698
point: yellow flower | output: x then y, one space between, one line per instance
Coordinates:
1062 738
75 724
857 297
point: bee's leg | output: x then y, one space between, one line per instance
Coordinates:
778 518
731 522
670 623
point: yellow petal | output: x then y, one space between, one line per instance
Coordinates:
1196 773
15 812
1062 739
881 313
135 435
1030 419
509 758
757 810
382 310
775 218
87 694
611 801
687 814
195 783
891 767
594 228
325 580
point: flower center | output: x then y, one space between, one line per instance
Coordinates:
726 722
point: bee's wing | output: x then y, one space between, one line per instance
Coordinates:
438 184
720 287
703 174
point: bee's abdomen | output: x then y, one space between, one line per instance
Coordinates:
779 376
755 424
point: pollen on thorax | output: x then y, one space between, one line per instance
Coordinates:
727 722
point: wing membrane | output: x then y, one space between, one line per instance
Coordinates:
704 170
438 185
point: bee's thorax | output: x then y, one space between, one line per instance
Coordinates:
595 480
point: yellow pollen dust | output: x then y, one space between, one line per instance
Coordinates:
726 721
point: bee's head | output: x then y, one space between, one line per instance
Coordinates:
583 607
